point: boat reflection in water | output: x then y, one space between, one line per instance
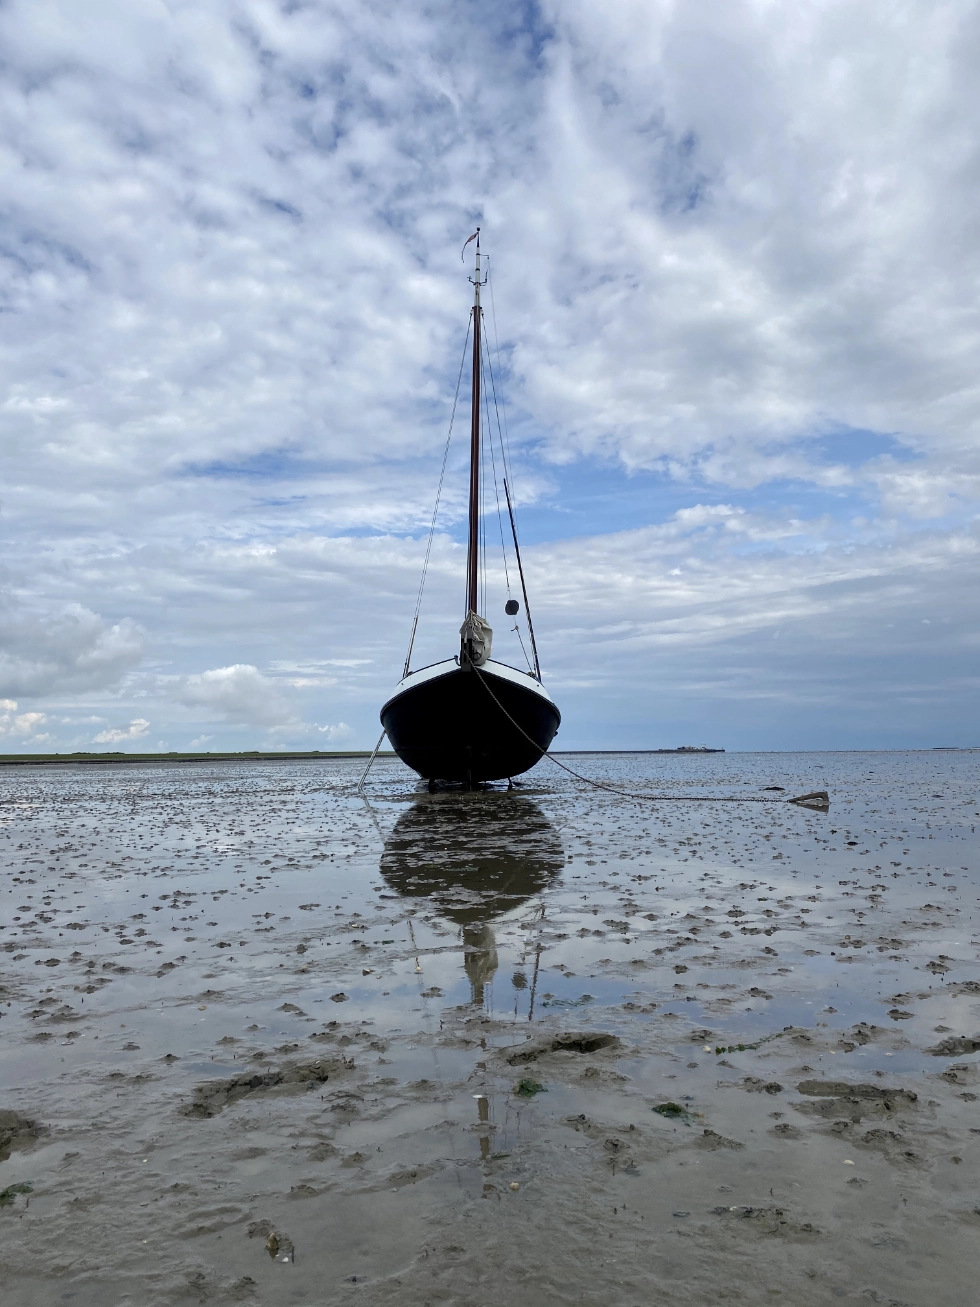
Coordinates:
473 858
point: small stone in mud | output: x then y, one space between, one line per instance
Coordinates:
16 1131
955 1045
570 1042
757 1086
881 1138
338 998
280 1247
712 1140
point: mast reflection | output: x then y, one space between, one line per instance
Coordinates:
473 857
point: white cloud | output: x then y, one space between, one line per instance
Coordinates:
20 725
49 650
756 236
307 682
239 694
136 730
731 242
715 232
336 733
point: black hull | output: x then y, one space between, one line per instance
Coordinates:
450 728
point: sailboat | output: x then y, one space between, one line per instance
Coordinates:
469 718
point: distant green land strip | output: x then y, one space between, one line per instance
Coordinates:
253 755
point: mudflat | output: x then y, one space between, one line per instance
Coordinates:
267 1042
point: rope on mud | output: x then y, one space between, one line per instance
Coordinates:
815 799
360 783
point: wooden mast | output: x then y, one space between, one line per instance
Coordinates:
473 544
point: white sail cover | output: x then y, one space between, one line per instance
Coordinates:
477 638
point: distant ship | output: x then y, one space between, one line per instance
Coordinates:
468 718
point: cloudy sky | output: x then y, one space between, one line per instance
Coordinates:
735 250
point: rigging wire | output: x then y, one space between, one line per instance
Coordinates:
517 631
513 527
520 573
500 520
496 487
505 442
435 510
503 436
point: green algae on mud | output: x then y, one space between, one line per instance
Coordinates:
528 1088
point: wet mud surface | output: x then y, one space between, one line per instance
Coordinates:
264 1042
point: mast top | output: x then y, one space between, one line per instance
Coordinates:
477 281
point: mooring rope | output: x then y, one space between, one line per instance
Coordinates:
360 783
814 797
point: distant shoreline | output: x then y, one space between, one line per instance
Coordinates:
255 755
685 753
252 755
